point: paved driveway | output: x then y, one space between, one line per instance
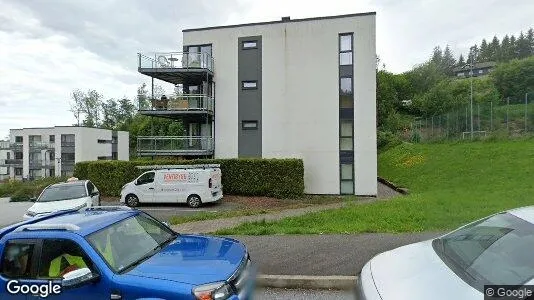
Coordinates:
328 254
11 212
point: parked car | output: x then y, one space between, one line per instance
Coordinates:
120 253
193 185
73 194
491 251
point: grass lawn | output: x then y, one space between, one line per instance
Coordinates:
450 184
248 206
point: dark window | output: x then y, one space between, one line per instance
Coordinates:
249 84
18 171
90 187
102 158
8 154
250 45
18 155
345 85
52 156
68 140
52 138
114 140
52 172
17 260
55 257
146 178
346 101
18 139
249 125
67 157
114 156
104 141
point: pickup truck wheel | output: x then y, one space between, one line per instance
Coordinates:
194 201
132 200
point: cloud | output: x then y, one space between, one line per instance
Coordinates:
50 47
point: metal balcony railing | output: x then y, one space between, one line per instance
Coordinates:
175 145
185 102
176 60
10 162
10 146
42 145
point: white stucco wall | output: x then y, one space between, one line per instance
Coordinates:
300 95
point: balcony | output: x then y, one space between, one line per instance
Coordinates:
10 146
10 162
174 145
41 145
36 164
178 105
176 67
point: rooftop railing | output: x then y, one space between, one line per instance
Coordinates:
165 145
176 60
185 102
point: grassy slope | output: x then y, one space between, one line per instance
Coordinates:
450 184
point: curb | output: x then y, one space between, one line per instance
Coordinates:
307 282
390 184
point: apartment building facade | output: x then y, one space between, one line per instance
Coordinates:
302 88
33 153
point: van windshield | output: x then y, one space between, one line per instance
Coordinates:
63 192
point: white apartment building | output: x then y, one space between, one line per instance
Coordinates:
4 150
303 88
33 153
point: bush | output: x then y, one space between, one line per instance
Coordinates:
24 190
280 178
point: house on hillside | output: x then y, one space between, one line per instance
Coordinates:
291 88
479 69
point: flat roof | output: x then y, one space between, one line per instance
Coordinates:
283 20
67 126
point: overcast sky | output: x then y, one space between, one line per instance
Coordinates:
50 47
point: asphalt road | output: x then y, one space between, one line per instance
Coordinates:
322 254
12 212
284 294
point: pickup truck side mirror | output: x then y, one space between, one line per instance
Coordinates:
78 277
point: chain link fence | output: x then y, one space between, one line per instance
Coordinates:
506 118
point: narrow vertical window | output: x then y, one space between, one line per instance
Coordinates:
346 113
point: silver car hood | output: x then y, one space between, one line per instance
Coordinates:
416 272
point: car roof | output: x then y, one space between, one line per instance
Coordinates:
526 213
86 221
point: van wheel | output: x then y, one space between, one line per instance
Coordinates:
194 201
132 200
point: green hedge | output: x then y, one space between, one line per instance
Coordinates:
24 190
281 178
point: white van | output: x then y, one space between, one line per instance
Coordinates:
191 184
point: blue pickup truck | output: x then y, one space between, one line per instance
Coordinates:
118 253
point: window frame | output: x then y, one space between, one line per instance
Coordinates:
255 87
243 122
35 263
19 137
251 47
18 169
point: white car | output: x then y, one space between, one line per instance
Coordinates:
492 251
73 194
193 185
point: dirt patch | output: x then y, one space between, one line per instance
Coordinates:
109 199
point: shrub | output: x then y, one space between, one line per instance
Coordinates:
281 178
24 190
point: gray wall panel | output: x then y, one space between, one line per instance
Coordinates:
249 100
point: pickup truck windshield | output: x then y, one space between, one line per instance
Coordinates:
129 242
63 192
494 251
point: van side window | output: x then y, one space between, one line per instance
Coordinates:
146 178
